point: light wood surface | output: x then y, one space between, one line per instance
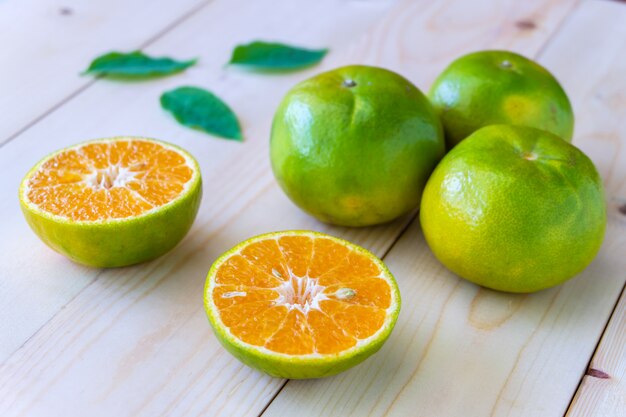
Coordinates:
46 44
135 341
603 388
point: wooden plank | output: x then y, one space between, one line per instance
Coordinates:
462 350
135 340
603 389
45 45
420 42
597 394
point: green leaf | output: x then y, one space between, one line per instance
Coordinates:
200 109
136 65
275 56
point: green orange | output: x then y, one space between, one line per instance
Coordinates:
355 146
499 87
112 202
514 209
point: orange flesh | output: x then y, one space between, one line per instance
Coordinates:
301 295
109 180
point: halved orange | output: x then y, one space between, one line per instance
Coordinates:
301 304
112 202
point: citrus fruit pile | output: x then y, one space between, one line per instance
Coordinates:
301 304
112 202
516 208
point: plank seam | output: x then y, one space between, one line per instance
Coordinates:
412 218
10 355
622 294
51 110
558 29
278 391
159 34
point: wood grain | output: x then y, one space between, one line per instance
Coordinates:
462 350
603 388
135 341
46 44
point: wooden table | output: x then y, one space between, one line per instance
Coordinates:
76 341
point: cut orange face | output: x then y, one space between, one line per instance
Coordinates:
301 304
109 179
112 202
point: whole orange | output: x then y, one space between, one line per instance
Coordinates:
514 209
355 146
499 87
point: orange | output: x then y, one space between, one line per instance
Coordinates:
499 87
354 146
514 209
112 202
301 304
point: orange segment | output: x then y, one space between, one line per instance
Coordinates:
109 179
267 256
230 295
354 267
327 254
237 270
359 321
297 251
301 293
258 330
373 292
238 313
294 337
97 155
328 336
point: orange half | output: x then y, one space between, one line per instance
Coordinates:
112 202
300 295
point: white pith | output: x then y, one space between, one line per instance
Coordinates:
300 293
110 177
